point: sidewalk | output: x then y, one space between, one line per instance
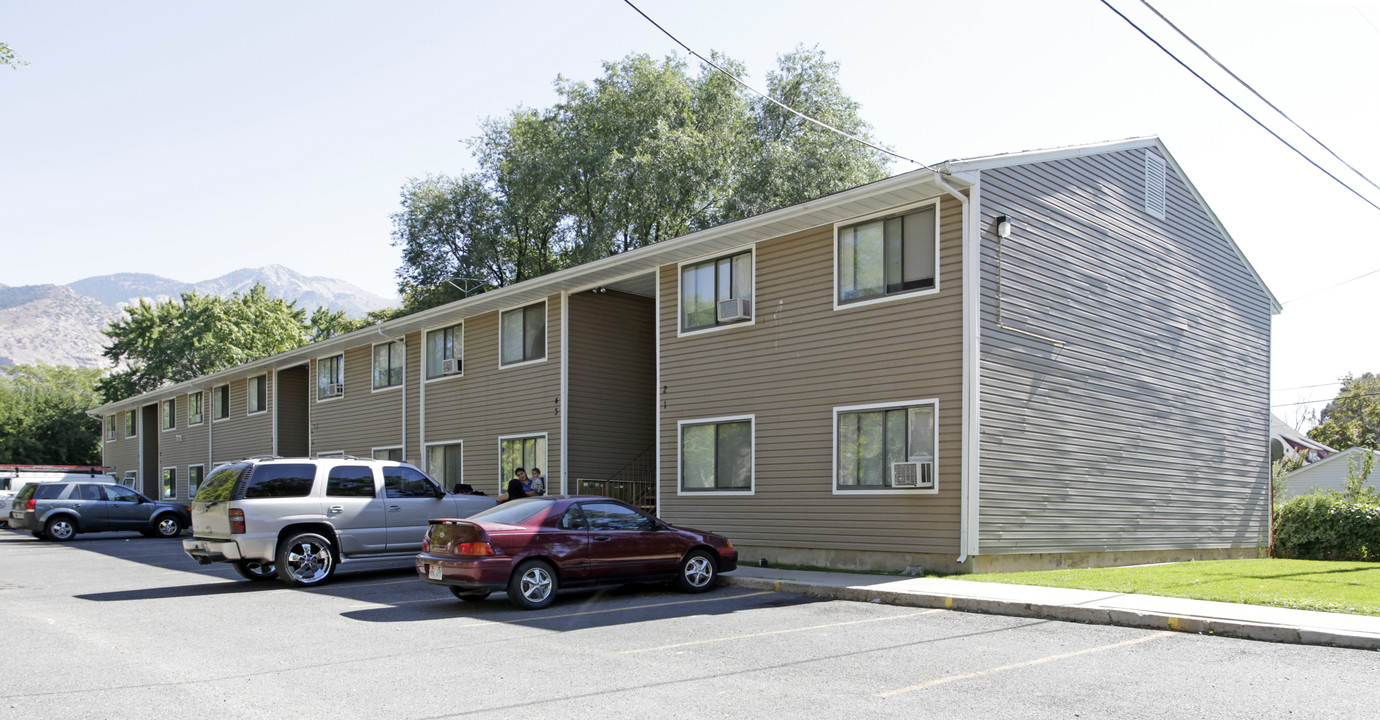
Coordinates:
1251 622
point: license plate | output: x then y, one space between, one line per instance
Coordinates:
433 572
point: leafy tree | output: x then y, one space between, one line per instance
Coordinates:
647 152
1352 419
7 57
43 416
178 340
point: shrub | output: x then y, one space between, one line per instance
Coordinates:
1327 526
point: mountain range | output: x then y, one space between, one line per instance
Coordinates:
63 324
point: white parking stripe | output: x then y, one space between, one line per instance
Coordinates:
1028 663
779 632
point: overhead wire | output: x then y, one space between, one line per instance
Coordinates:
1236 105
1247 85
771 99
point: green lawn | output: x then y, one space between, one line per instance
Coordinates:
1344 587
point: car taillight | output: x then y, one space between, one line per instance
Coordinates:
30 506
237 521
472 548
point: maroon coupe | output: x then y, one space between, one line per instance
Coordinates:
532 547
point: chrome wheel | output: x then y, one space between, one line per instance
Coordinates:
168 526
60 529
533 585
697 572
306 559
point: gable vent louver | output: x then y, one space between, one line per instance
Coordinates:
1154 184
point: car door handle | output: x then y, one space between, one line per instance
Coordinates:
394 508
600 538
336 509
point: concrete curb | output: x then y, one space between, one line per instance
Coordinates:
1092 615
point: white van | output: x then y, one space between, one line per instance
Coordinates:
13 478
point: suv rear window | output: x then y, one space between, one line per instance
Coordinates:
220 486
350 481
48 491
280 480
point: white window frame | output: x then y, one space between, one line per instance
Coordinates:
132 423
426 352
249 394
331 455
681 331
167 421
834 461
503 481
162 483
316 375
190 492
110 429
545 340
426 457
131 479
374 452
373 369
202 418
752 454
905 294
225 406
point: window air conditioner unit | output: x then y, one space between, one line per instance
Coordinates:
912 475
450 366
335 390
735 309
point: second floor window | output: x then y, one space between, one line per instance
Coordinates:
169 414
220 402
887 256
330 377
445 351
388 364
522 335
258 394
705 286
195 408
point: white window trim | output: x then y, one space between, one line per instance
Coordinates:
386 388
203 395
112 429
191 494
834 443
316 378
680 456
162 477
130 479
426 369
426 453
131 428
214 389
546 338
908 294
331 455
384 447
163 415
503 481
752 250
246 395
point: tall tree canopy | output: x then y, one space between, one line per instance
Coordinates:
177 340
1352 419
43 416
647 152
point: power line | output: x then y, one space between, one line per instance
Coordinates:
1314 402
1247 85
1320 290
771 99
1243 111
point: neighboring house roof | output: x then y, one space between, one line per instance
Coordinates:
1281 432
629 268
1330 473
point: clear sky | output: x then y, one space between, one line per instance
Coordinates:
187 139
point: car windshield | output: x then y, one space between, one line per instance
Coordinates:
516 512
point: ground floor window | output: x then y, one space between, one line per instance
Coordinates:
195 474
391 454
130 479
445 464
887 447
169 482
521 452
716 455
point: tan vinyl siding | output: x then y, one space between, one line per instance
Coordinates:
790 370
122 453
241 435
487 401
186 445
1145 426
362 418
612 369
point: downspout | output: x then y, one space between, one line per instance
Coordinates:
565 390
972 326
403 340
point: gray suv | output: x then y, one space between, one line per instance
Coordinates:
60 510
298 518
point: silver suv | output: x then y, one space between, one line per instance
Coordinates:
298 518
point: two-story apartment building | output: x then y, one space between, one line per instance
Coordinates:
992 364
